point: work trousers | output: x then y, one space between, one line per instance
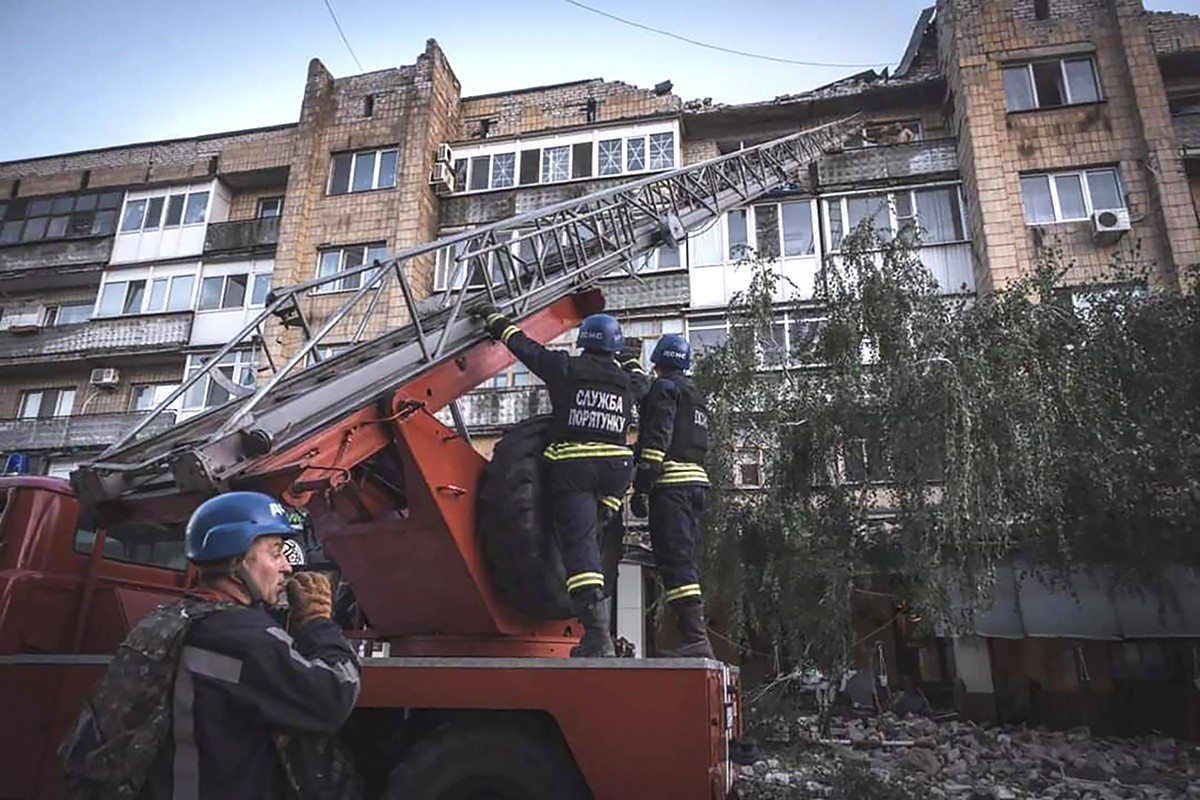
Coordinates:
675 512
578 486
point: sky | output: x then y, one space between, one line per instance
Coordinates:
82 74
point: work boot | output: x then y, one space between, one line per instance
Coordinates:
594 612
689 615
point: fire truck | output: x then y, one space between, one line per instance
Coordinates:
450 560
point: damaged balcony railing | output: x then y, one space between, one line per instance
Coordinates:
522 264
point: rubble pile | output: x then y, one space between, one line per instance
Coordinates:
916 757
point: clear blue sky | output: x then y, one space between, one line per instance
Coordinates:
85 73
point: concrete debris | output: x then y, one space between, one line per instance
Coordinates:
916 757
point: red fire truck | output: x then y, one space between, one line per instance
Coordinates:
449 560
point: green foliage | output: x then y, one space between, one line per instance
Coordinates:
1017 424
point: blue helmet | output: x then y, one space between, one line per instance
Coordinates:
600 333
226 525
672 351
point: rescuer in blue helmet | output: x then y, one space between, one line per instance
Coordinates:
671 483
590 462
193 701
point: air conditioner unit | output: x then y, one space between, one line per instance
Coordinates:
444 154
1109 225
441 177
106 377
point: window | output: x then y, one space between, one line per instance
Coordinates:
234 371
47 403
932 214
146 543
556 164
343 259
504 170
69 216
223 291
707 334
148 396
270 207
362 172
748 468
67 314
1050 84
780 229
1068 196
164 293
152 213
449 269
739 242
610 156
635 154
662 150
878 134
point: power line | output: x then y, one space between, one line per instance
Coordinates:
715 46
343 35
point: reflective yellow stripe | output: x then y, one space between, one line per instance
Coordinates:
677 472
559 451
493 317
508 332
651 454
680 592
581 579
613 503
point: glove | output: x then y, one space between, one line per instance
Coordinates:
484 311
639 505
309 597
648 473
631 353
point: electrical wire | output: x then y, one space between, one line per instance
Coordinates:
342 33
716 47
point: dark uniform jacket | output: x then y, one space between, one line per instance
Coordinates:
673 431
241 680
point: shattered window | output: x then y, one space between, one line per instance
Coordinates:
504 170
1049 84
556 164
610 157
635 154
662 150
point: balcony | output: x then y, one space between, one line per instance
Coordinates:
138 335
243 237
1187 128
73 262
936 158
490 411
88 430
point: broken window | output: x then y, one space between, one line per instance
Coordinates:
556 164
766 230
739 242
610 153
635 154
530 161
504 167
235 369
1049 84
460 175
662 150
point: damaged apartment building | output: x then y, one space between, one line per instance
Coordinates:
1005 127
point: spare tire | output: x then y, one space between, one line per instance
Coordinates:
522 553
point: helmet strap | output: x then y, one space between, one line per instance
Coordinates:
241 576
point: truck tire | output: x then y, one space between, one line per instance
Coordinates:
522 553
467 761
520 549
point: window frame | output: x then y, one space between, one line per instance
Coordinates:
1028 66
262 204
60 392
333 287
148 278
242 361
167 388
165 210
34 219
834 244
52 315
1083 174
377 153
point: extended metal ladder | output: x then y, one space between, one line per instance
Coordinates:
524 264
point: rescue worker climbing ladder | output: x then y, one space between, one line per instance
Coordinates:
672 444
590 462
